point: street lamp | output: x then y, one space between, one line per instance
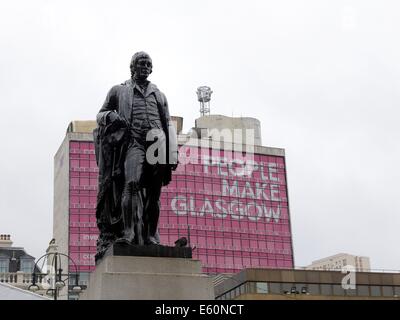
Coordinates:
58 282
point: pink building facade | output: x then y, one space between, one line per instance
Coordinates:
83 232
233 210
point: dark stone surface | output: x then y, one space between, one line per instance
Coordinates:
122 249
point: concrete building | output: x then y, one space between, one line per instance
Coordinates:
279 284
338 261
229 199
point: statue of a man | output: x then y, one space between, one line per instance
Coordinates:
136 150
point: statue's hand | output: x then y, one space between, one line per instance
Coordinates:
173 160
174 166
114 118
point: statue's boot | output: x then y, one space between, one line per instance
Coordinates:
150 219
152 240
137 214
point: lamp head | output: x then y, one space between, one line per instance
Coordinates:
77 289
60 284
33 287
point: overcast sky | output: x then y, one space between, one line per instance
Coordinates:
323 77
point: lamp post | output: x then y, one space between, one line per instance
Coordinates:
58 283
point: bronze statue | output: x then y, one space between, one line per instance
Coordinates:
136 150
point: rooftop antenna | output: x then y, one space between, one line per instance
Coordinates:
204 97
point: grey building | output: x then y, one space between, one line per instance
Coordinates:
16 266
293 284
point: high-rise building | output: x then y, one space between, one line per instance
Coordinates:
340 260
229 199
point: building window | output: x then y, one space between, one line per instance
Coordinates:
83 279
363 290
27 265
4 263
351 292
301 288
375 291
251 287
313 289
275 287
338 290
286 287
261 287
326 289
387 291
243 288
237 291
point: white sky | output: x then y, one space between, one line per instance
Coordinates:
323 77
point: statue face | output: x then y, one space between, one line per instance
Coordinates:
142 68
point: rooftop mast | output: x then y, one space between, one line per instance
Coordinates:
204 97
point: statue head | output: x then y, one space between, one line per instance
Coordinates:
141 66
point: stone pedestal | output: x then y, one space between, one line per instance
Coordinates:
148 278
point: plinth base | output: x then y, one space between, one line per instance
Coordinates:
121 249
148 278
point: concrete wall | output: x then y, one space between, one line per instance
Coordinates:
61 201
178 123
240 124
61 197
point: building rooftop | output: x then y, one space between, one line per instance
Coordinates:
82 130
14 254
336 256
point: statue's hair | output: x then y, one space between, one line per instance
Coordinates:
137 56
